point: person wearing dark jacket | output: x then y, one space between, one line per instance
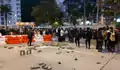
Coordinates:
77 39
3 31
99 40
88 38
30 35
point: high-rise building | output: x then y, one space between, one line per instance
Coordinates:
14 15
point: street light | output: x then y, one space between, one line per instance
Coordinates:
84 18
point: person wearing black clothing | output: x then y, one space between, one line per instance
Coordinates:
108 40
111 43
70 36
99 40
3 31
88 38
77 39
30 35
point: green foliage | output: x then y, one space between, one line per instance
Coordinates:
56 24
4 9
76 10
47 11
117 25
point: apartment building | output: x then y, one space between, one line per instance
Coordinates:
15 14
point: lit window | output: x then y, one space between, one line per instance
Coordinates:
18 4
17 0
2 18
2 23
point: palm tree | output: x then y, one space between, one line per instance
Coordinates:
5 10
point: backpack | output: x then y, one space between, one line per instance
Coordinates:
105 35
112 37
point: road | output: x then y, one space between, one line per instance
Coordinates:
76 59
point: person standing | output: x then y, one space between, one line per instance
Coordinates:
3 31
112 41
30 35
77 39
99 40
88 38
105 38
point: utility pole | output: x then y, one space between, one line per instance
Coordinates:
97 15
84 17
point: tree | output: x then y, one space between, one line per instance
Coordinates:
111 9
75 9
112 6
47 11
5 10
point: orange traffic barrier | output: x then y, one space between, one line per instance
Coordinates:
47 38
16 39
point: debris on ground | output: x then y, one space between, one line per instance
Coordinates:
41 63
68 52
62 47
39 51
98 63
58 48
49 68
19 46
72 51
43 66
73 69
76 59
35 68
71 48
10 47
58 52
102 56
59 63
22 52
5 46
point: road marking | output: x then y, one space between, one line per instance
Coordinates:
108 62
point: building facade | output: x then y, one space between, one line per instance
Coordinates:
14 15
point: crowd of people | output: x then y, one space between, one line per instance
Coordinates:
106 37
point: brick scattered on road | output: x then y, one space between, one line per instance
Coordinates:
35 68
98 63
10 47
76 59
59 63
39 51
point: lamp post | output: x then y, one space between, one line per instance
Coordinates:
84 17
97 15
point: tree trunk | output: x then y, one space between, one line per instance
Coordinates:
6 21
